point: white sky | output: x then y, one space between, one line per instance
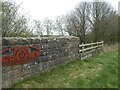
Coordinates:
40 9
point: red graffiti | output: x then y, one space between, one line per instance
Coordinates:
19 55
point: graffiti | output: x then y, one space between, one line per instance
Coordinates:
19 55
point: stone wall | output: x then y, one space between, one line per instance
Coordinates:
56 50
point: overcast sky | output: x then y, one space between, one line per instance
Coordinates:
40 9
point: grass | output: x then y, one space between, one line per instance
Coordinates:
98 72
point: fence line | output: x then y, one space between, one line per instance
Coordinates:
90 49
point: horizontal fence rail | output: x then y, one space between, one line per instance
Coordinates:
90 49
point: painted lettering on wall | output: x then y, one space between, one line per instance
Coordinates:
19 55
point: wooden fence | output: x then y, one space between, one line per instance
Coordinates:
90 49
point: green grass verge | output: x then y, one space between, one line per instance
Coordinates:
98 72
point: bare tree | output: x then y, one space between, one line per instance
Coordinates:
97 16
71 24
48 26
59 25
100 11
77 21
38 27
13 23
82 12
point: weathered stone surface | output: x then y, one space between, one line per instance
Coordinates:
56 50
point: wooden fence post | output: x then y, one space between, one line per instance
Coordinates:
82 54
102 45
91 50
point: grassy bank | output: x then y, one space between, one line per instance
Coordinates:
98 72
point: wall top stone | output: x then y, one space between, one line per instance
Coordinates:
35 40
50 37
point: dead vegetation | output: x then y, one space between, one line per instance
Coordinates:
108 48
